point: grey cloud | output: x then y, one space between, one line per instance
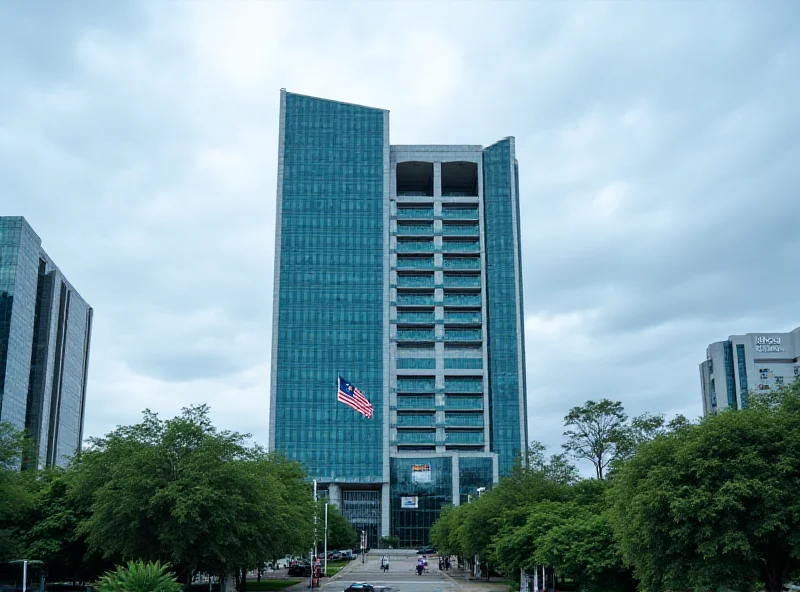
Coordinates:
657 147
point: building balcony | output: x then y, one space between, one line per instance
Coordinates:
466 317
414 299
424 280
410 229
463 385
407 246
464 420
415 317
416 403
471 437
416 437
460 263
461 246
461 299
462 403
416 420
460 230
415 213
416 263
462 334
416 335
462 281
452 213
416 385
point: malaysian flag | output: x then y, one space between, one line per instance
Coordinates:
352 397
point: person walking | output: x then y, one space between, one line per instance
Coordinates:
385 563
420 566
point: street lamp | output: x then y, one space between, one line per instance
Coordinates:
480 490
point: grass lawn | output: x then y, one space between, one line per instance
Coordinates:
335 567
270 584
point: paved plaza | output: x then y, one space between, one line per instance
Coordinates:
402 577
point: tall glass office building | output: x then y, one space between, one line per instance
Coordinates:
399 269
45 329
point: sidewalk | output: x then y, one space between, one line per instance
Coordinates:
464 582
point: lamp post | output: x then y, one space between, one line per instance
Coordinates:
477 574
326 539
314 550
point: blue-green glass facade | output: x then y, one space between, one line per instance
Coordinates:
45 329
329 310
504 294
730 387
399 268
741 362
475 473
430 480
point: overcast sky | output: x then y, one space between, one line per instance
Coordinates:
659 151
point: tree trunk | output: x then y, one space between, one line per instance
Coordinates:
227 583
243 587
773 578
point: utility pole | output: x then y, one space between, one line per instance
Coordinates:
326 538
314 550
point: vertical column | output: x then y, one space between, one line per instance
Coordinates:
457 481
335 495
385 512
437 180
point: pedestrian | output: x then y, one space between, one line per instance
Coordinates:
420 566
385 563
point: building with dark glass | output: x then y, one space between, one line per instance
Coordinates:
399 269
746 364
45 329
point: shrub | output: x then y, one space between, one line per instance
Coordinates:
138 576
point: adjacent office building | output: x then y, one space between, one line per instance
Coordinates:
745 364
399 269
45 328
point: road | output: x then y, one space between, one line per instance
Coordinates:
401 576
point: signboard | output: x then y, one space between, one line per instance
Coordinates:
409 503
420 473
766 344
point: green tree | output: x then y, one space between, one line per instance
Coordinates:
717 503
583 549
181 491
15 495
48 530
515 545
596 432
444 532
341 534
557 468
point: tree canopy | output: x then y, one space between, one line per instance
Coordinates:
717 503
181 491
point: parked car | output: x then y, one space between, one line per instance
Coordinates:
426 551
300 570
360 587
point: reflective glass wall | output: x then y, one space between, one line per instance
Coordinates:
329 308
504 294
419 489
45 329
